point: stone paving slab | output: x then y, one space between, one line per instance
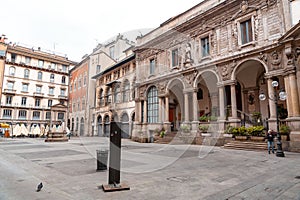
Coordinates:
152 171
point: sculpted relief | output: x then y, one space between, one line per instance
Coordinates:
226 70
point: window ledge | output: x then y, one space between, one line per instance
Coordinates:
253 43
205 58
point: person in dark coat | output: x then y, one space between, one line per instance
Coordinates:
270 138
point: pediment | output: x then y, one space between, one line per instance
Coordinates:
292 34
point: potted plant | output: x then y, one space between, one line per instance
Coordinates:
228 131
256 133
185 128
203 118
204 130
162 133
285 132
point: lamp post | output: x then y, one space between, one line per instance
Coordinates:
282 96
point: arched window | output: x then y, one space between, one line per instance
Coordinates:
108 96
40 76
26 73
152 105
126 91
51 78
12 71
117 94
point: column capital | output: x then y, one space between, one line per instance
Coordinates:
290 70
188 90
230 82
274 73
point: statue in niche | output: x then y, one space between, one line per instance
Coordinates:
188 55
251 99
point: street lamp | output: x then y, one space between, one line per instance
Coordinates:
282 97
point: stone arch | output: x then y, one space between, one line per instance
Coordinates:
169 84
205 86
240 63
205 71
125 125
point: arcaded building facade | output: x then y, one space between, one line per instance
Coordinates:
216 59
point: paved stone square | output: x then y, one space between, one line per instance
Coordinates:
153 171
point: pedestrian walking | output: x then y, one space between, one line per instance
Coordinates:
270 139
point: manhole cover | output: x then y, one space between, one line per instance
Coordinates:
297 177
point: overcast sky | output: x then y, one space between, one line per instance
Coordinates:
75 27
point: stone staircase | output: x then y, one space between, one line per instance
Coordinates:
56 137
170 138
250 146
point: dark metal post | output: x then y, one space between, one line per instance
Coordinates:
279 152
115 153
114 160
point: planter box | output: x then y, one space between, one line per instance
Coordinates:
241 137
206 134
257 138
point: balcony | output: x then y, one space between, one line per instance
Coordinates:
63 97
38 94
9 91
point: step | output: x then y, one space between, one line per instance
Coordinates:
62 139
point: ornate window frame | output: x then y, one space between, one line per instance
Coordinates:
242 19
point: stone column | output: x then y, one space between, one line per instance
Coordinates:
271 102
233 101
294 95
145 111
195 106
288 99
221 103
167 109
160 109
186 107
137 110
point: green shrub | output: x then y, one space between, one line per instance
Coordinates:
242 131
256 130
203 128
203 118
284 130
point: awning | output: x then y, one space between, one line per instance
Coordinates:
3 125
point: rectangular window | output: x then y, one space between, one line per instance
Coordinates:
38 89
41 63
246 31
98 68
13 57
60 116
9 100
23 101
37 102
22 114
36 115
175 59
27 60
7 114
26 73
51 90
64 68
63 92
10 86
48 115
152 66
53 66
205 46
25 87
49 103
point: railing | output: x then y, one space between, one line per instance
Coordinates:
246 118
